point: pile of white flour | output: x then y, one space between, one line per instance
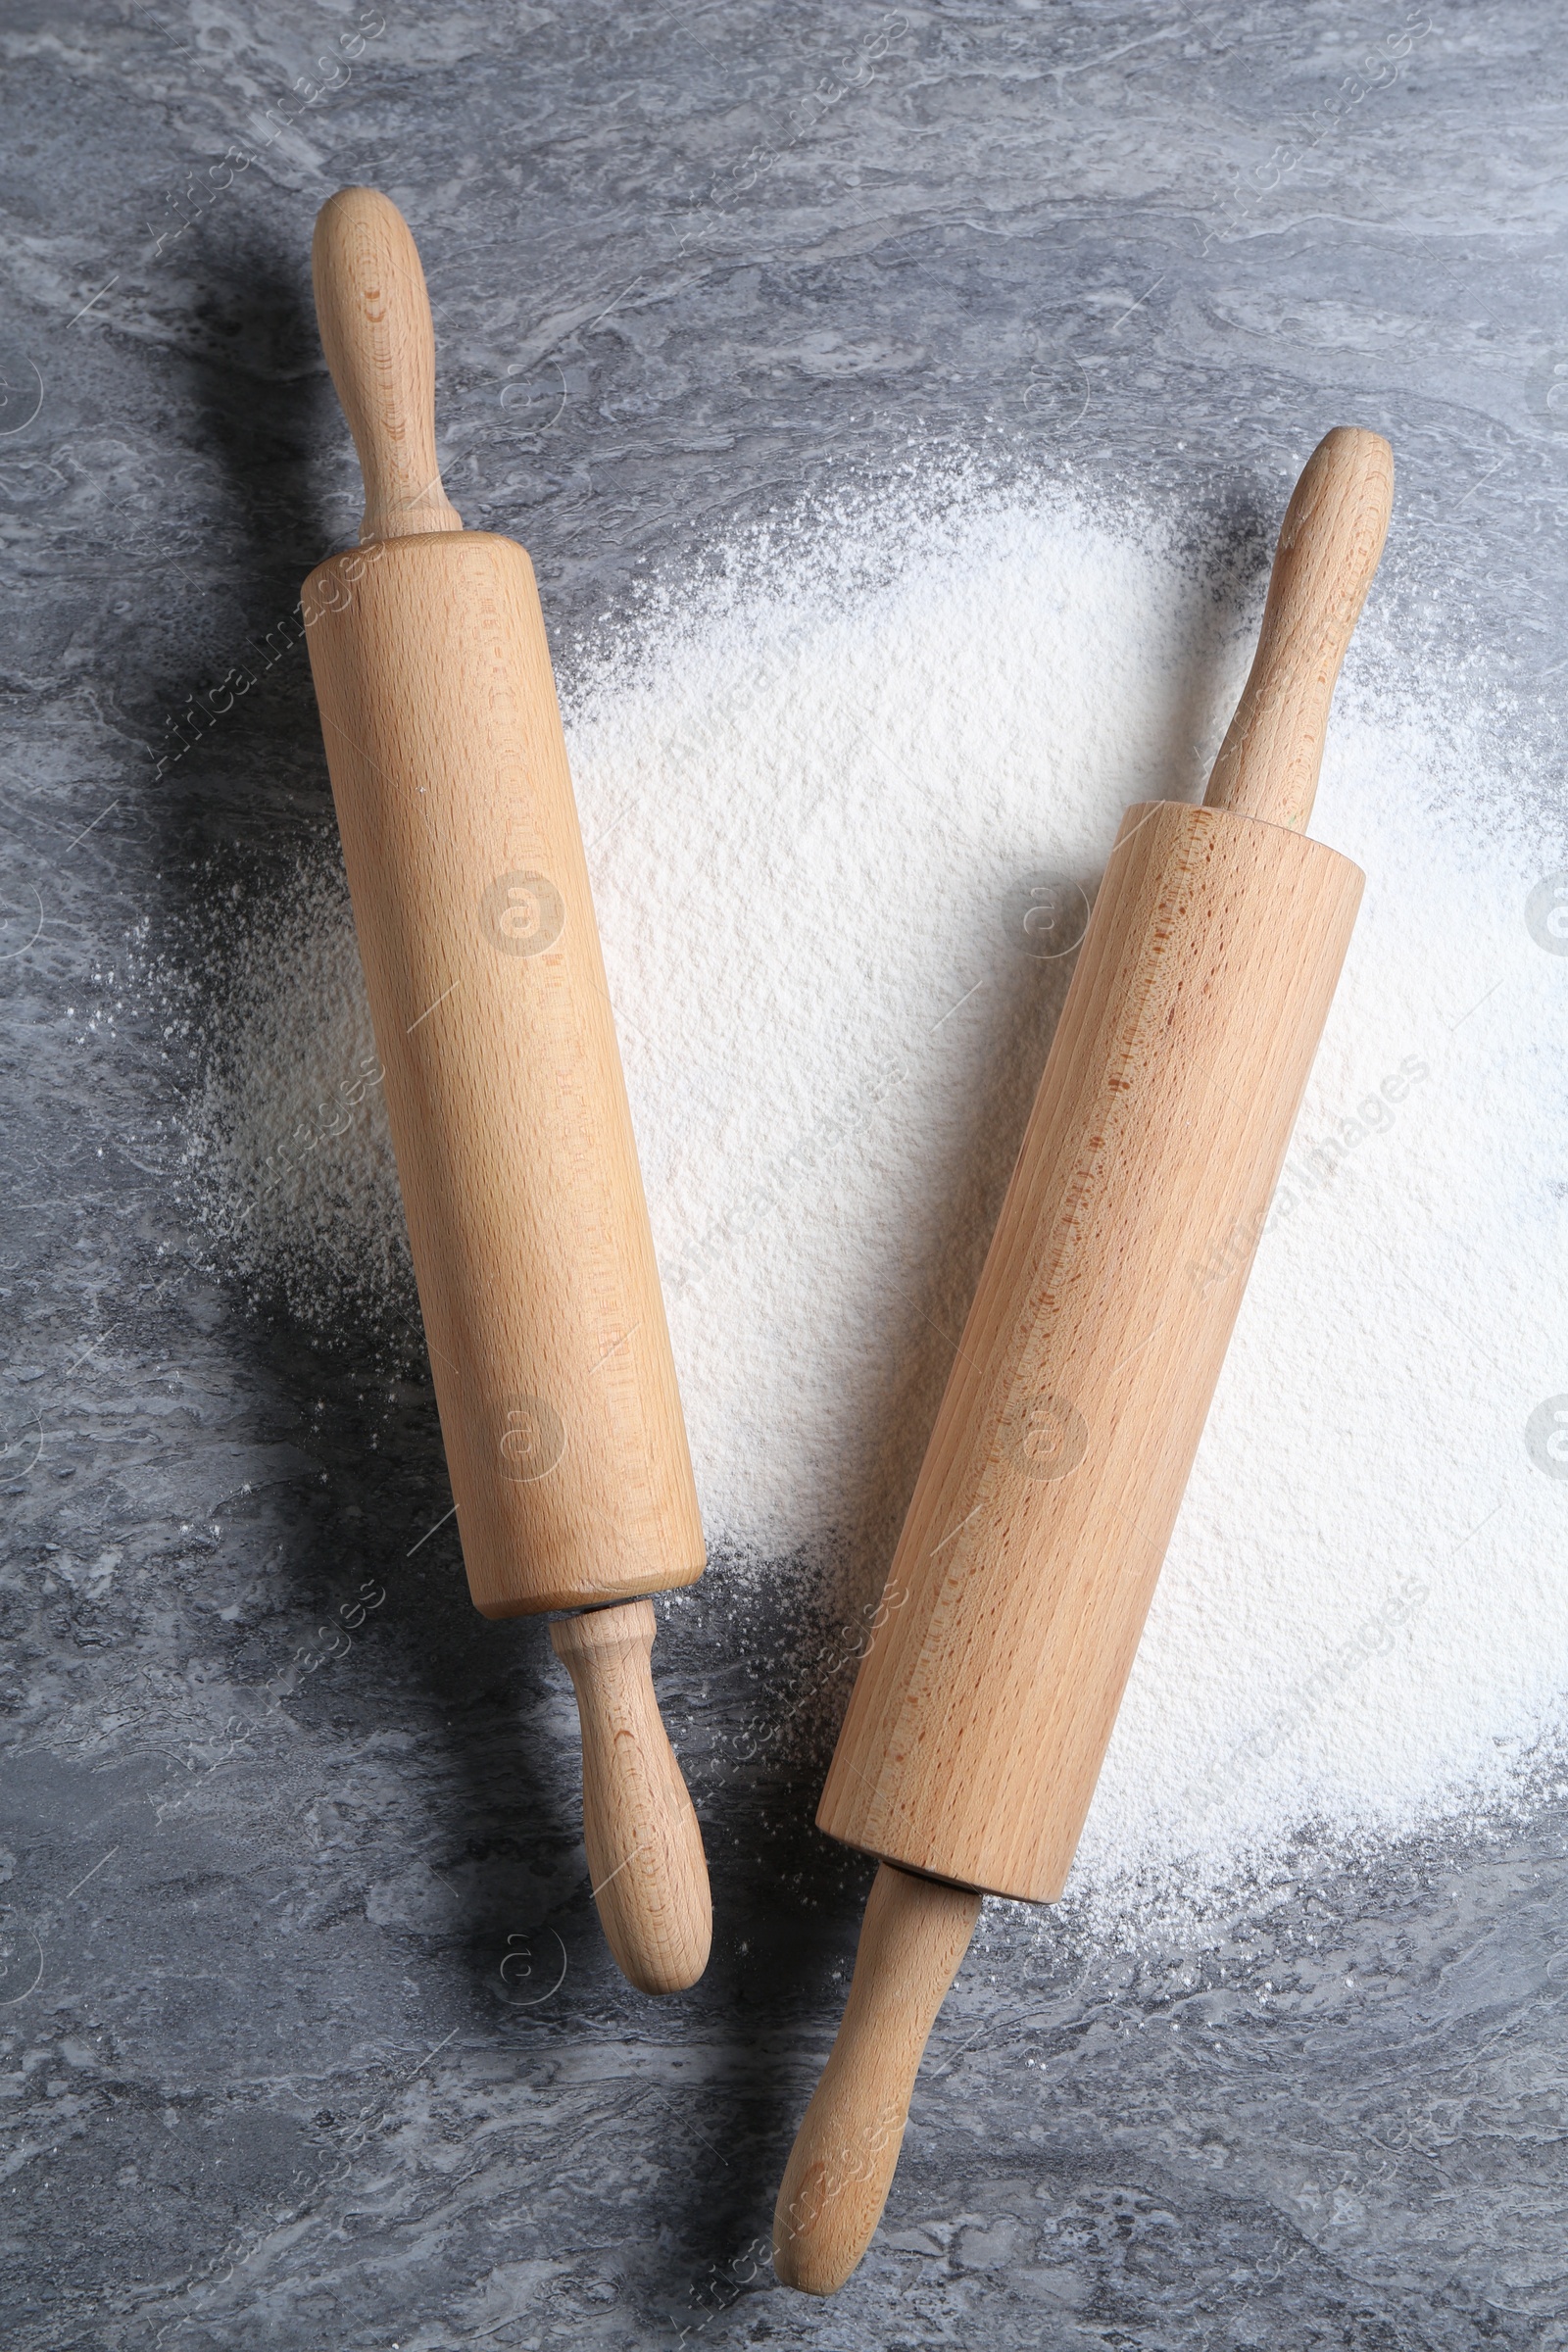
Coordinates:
845 801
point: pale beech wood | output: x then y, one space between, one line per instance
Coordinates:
374 320
644 1850
547 1342
1084 1373
1039 1519
1329 546
549 1348
914 1934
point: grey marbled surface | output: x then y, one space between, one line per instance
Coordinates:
261 2079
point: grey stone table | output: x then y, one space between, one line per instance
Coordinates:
264 2077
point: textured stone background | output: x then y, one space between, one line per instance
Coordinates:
263 2079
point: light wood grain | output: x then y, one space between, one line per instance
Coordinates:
374 318
916 1932
1329 546
543 1316
549 1346
1085 1369
644 1850
1081 1379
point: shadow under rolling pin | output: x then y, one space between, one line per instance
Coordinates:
528 1229
1020 1584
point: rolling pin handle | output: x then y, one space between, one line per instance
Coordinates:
1329 546
914 1934
374 318
644 1849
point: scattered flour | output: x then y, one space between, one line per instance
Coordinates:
840 802
289 1160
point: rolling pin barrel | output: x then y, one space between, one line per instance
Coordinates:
548 1343
1073 1411
1039 1519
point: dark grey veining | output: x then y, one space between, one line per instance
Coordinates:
308 2037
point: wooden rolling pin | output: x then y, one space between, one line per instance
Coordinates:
1039 1519
541 1302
